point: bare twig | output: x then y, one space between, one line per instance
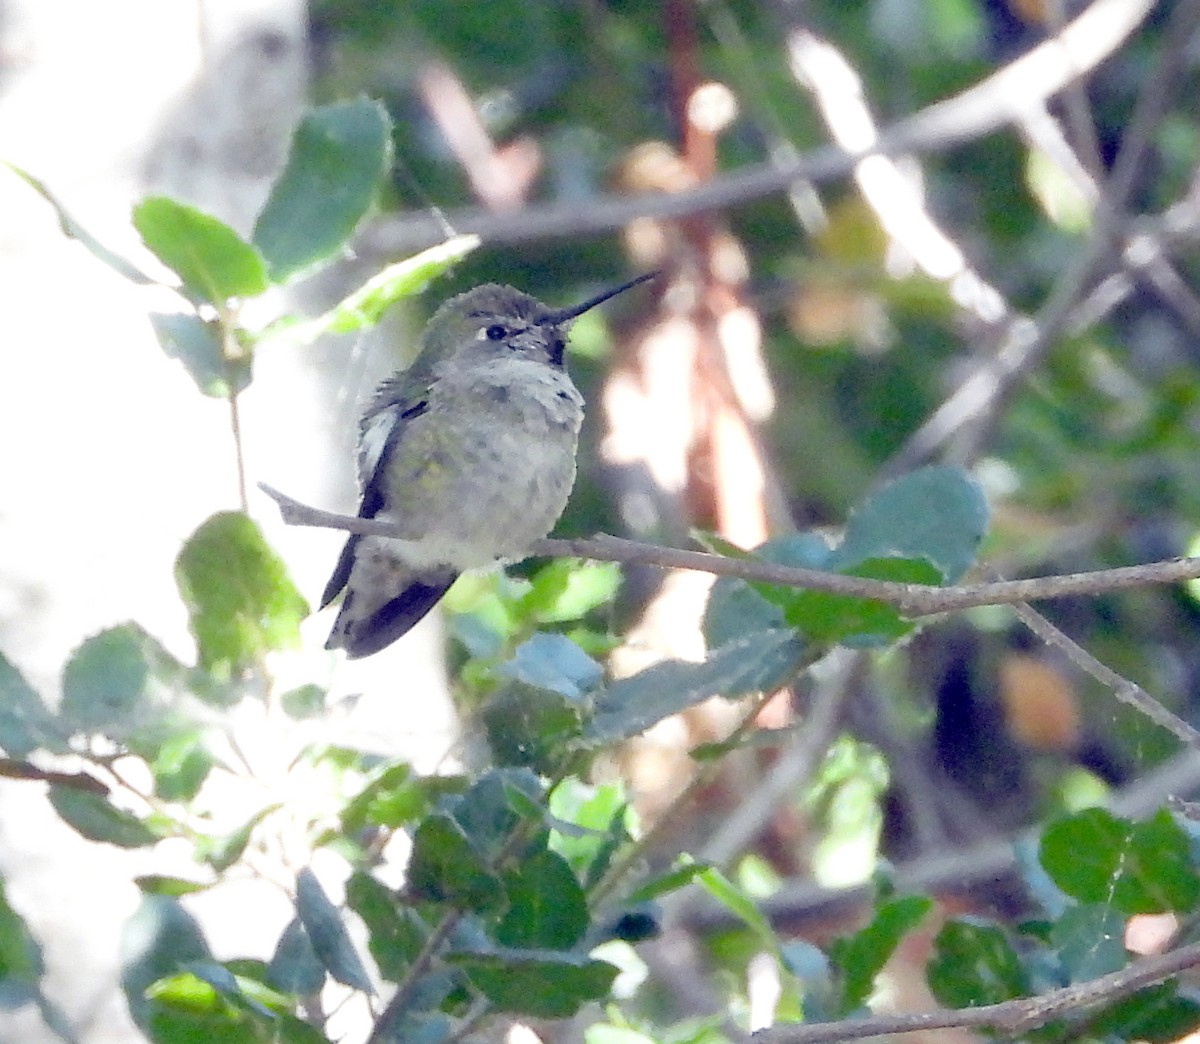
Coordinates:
1014 1016
1122 688
795 763
975 404
964 869
1001 98
913 600
13 768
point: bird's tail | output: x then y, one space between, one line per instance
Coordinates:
384 599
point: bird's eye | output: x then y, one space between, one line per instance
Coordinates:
496 332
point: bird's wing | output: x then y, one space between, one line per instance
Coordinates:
381 431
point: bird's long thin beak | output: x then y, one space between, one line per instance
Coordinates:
561 316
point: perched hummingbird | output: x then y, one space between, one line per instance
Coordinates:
470 452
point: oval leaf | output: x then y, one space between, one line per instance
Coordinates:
25 723
197 344
543 984
327 934
295 966
93 816
759 662
546 907
338 156
212 261
974 964
241 602
936 513
118 682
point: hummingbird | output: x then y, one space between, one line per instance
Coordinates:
470 452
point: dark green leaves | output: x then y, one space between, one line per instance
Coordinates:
97 819
445 867
25 723
20 957
118 682
211 259
241 602
975 964
546 907
756 663
924 528
327 934
1096 857
938 514
197 344
861 957
339 154
543 984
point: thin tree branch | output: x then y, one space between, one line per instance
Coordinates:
913 600
1000 99
1125 690
1014 1016
963 869
14 768
976 403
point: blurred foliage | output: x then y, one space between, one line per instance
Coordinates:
528 880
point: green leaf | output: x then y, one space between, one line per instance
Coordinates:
543 984
73 229
304 702
662 884
1081 853
396 933
446 868
567 589
597 1034
118 683
339 154
158 939
741 906
493 807
222 852
1155 1013
161 884
93 816
974 964
937 513
531 727
736 610
861 956
198 345
25 723
330 940
1096 857
366 306
760 662
828 617
427 1028
181 766
295 966
20 957
212 261
1090 940
546 907
1158 874
240 600
394 797
600 817
551 661
225 983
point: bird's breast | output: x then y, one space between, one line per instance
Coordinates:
487 471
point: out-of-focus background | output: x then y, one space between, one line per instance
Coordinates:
1012 286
